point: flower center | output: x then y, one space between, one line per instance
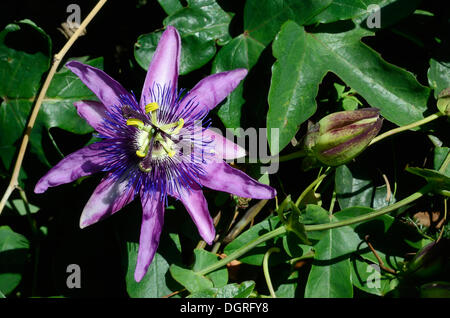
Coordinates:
155 140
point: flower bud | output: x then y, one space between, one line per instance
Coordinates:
429 261
340 137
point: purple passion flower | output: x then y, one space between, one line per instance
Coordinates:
154 148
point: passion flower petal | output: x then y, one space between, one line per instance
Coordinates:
151 227
81 163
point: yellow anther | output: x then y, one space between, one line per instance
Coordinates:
135 122
169 126
140 153
169 151
179 127
151 107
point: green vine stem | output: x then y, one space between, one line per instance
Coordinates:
294 155
316 227
266 270
371 215
406 127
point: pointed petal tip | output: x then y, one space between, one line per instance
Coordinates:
242 71
40 187
139 275
171 28
274 193
209 237
221 176
83 222
72 64
164 65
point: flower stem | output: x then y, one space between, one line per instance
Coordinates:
316 227
406 127
56 60
266 270
371 215
294 155
244 249
308 255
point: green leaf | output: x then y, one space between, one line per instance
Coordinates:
391 10
170 6
204 293
381 198
14 253
369 278
191 280
201 24
288 288
194 52
20 92
242 52
352 188
256 255
443 102
378 230
260 27
263 24
242 290
19 206
393 90
204 259
440 153
307 57
330 277
315 214
330 274
57 110
294 85
155 282
439 76
432 176
293 225
203 18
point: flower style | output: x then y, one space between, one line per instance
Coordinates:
155 148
